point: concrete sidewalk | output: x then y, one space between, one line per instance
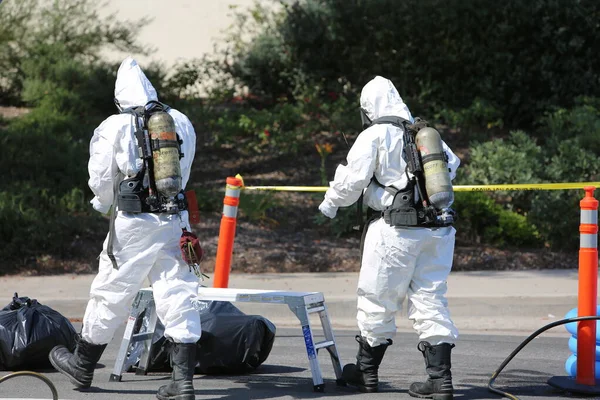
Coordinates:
480 302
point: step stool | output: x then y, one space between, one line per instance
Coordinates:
302 304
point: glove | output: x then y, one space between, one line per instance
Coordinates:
328 209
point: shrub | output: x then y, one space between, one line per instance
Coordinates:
38 222
40 150
75 25
285 128
522 57
519 160
581 122
255 206
557 212
48 59
516 159
480 114
482 220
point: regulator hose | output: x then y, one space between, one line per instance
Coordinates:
35 374
523 344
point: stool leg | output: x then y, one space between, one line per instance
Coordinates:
333 353
142 368
315 369
143 302
136 310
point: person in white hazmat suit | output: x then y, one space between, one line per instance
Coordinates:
397 261
146 245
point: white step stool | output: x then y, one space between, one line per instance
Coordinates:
301 303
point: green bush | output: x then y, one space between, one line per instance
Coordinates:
255 206
29 26
522 57
36 222
581 122
557 212
482 220
516 159
49 60
285 128
519 159
40 150
480 114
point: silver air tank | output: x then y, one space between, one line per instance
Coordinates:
435 168
167 170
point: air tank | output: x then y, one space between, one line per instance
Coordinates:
167 170
435 168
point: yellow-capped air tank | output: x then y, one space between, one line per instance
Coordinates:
435 168
165 154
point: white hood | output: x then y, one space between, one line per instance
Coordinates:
379 98
132 88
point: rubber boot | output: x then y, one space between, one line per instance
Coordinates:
364 374
437 364
183 361
77 366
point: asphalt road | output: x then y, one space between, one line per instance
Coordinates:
286 373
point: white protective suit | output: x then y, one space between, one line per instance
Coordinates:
397 261
145 244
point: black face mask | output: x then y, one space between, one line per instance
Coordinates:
364 118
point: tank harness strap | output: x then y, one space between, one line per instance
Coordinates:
435 156
113 214
132 195
391 119
163 144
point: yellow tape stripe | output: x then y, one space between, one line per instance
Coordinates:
457 188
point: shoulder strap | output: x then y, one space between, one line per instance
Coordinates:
145 111
391 119
393 190
113 214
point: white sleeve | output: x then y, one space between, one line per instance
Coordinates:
102 170
185 129
453 160
350 180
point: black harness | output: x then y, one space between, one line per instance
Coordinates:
133 195
405 210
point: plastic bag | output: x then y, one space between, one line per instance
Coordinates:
28 331
231 342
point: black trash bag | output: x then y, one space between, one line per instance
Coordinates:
28 331
231 342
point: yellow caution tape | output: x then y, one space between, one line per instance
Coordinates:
525 186
457 188
289 188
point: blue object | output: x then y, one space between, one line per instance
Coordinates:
573 347
572 326
571 367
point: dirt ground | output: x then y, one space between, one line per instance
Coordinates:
285 238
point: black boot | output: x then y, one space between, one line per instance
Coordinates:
183 361
79 365
437 364
363 374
